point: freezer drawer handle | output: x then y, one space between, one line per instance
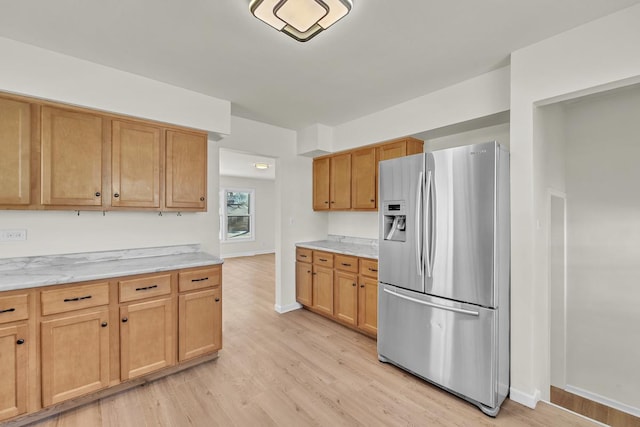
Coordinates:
430 304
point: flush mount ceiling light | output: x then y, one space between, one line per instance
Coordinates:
300 19
261 166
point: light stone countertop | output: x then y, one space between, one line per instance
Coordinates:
364 248
29 272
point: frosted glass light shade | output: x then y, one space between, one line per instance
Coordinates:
300 19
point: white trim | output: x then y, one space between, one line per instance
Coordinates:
528 400
604 400
287 308
248 253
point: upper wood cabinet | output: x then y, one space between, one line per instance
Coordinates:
136 161
340 182
363 179
186 171
71 158
321 183
54 156
15 152
348 180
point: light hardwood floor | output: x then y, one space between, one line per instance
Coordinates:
296 369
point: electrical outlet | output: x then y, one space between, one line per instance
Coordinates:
13 235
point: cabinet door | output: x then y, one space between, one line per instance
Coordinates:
199 323
363 179
71 158
186 171
323 289
340 182
368 305
146 337
13 371
75 356
304 284
392 151
15 152
135 165
346 297
321 184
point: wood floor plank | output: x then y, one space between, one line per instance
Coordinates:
295 369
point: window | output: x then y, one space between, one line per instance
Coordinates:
237 215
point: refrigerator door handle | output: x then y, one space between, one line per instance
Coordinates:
430 304
428 226
418 222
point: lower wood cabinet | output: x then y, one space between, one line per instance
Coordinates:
104 333
74 355
146 337
342 287
14 343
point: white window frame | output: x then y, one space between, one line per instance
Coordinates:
224 218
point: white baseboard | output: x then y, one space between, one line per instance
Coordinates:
528 400
250 253
604 400
287 308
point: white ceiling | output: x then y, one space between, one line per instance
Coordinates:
383 53
237 164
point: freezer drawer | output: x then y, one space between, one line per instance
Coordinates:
448 343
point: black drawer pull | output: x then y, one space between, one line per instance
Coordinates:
146 288
200 280
77 298
8 310
322 259
303 256
375 270
345 264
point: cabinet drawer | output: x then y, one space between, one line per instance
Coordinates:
144 287
199 279
74 298
346 263
369 267
14 307
323 258
303 254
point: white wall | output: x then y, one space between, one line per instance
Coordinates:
295 219
265 217
589 58
29 70
603 224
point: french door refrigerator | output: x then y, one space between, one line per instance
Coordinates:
443 296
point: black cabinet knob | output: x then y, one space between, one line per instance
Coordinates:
372 200
353 284
217 299
202 199
20 341
116 195
362 286
125 319
97 194
104 324
326 202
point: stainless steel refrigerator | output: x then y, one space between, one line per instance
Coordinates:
443 297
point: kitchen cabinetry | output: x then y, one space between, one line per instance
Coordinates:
146 325
363 179
343 287
304 282
15 152
321 178
14 341
199 312
186 171
136 161
71 144
348 180
78 340
54 156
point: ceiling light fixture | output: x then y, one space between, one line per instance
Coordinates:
261 166
300 19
